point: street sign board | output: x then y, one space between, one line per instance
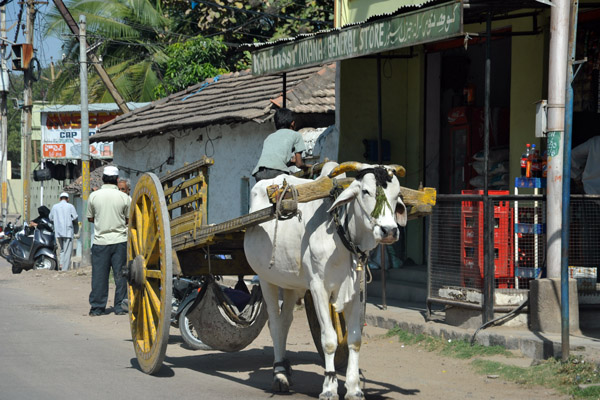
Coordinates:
423 26
61 135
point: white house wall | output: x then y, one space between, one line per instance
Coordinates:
235 149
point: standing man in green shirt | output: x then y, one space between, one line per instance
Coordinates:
108 210
278 146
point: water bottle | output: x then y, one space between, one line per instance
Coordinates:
524 158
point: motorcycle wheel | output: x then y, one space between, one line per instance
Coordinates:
45 263
4 251
187 331
16 270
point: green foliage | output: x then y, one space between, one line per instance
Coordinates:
131 38
237 22
564 377
143 43
448 347
191 62
40 90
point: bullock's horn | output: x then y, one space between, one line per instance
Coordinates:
345 167
398 170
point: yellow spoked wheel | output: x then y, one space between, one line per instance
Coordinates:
149 264
339 324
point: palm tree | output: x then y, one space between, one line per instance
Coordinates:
128 35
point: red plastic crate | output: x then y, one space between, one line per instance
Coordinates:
472 241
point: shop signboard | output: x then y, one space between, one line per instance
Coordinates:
61 135
423 26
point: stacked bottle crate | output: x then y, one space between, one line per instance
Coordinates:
530 230
472 257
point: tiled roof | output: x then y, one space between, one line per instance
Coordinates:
95 182
93 107
316 94
233 97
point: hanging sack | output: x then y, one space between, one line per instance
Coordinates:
59 172
42 175
70 171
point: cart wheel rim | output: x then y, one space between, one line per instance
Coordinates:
149 245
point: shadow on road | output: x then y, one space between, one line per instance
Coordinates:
257 364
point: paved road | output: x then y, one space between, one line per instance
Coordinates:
51 349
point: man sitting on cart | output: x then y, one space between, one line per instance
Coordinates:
277 147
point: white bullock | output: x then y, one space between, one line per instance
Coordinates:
307 253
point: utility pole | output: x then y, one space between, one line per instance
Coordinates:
85 143
27 111
4 86
95 61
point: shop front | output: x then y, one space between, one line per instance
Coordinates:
424 101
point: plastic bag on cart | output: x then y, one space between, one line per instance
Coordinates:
221 325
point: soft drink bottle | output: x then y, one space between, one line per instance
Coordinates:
536 162
545 164
523 162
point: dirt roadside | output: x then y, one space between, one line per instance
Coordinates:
391 370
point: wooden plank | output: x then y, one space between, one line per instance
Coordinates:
186 169
321 188
206 235
186 200
184 185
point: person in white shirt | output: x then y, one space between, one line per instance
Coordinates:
64 217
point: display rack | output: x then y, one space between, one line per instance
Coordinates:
530 226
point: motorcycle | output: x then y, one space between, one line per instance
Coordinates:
7 235
185 292
33 248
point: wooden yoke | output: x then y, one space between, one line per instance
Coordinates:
420 201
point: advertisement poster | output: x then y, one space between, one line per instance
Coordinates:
61 135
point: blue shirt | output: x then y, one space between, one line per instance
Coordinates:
278 149
62 215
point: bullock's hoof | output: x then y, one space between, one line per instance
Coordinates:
356 396
281 383
328 396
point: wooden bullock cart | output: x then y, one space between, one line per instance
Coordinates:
169 236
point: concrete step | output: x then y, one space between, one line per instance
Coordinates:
412 292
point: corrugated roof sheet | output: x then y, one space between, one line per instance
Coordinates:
473 11
94 107
232 97
403 7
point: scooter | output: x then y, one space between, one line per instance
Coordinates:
33 248
7 235
185 292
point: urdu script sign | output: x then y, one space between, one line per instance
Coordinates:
423 26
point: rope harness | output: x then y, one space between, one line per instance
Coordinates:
281 215
382 177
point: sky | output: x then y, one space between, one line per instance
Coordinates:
46 48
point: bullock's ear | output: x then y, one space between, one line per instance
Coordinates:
346 196
400 213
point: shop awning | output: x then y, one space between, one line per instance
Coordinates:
424 25
415 22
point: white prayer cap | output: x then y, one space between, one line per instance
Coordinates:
111 170
63 194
